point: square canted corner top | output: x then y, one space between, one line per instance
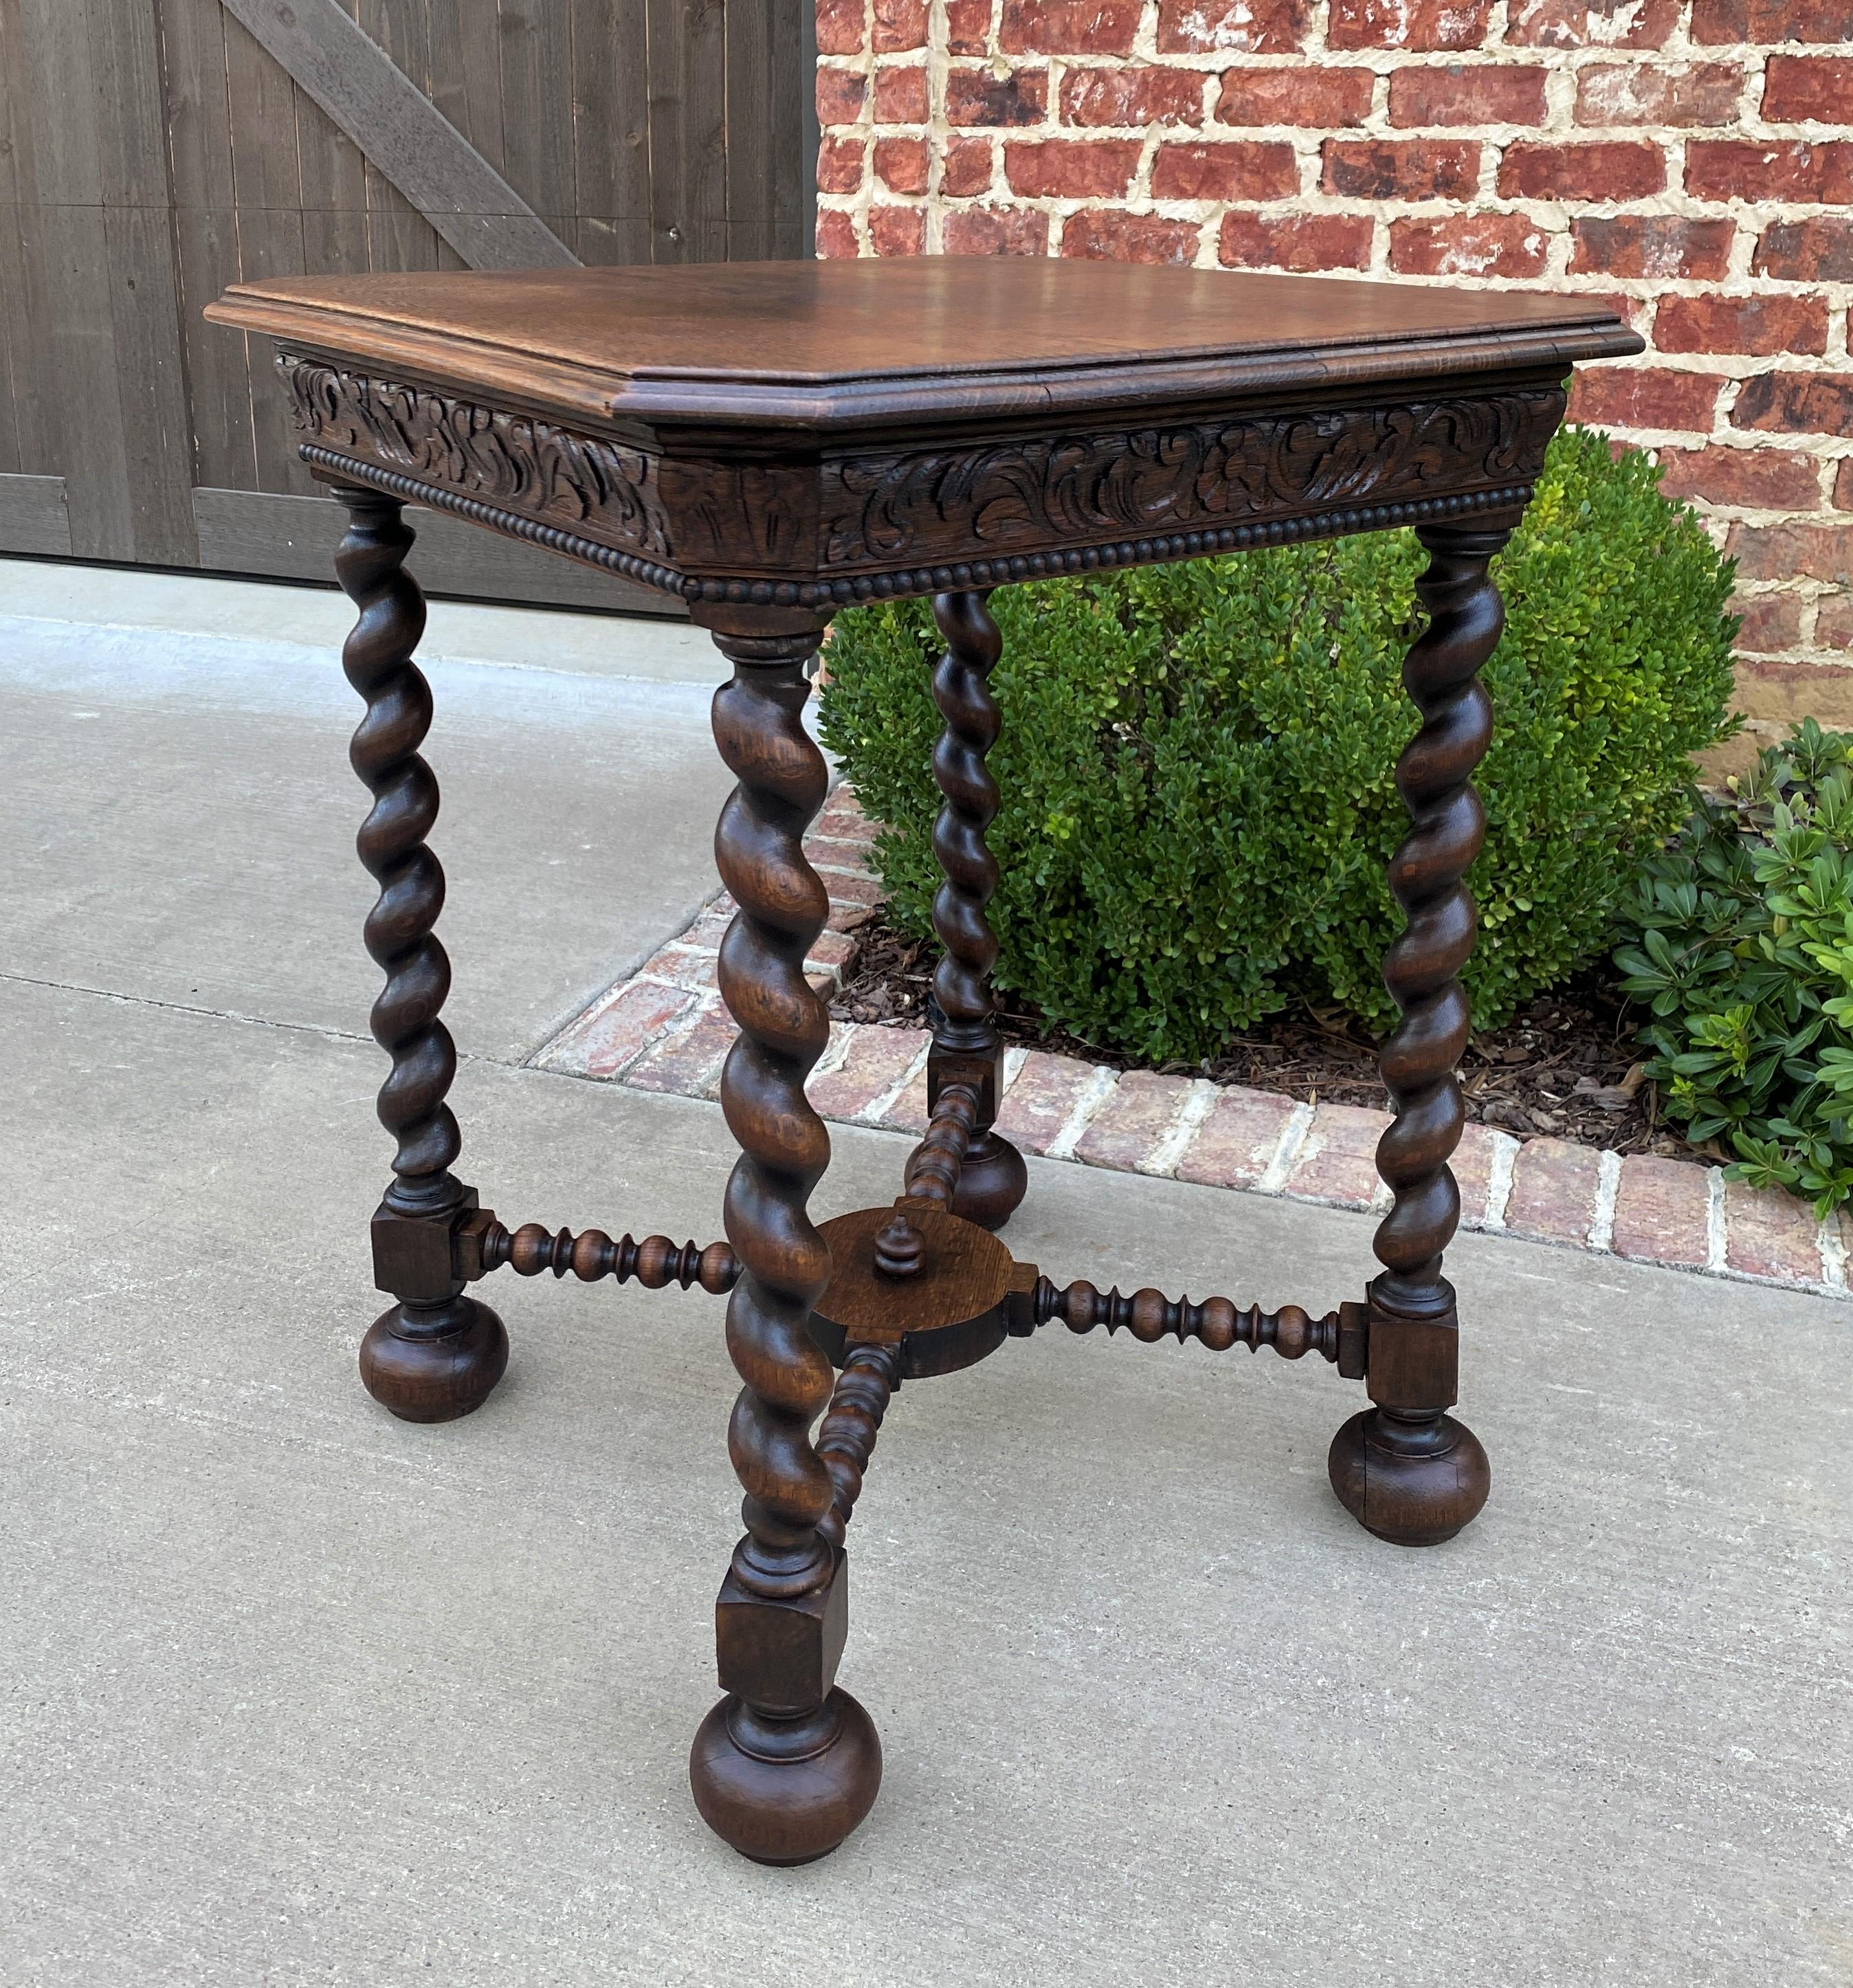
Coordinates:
849 344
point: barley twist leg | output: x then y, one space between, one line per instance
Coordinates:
993 1179
787 1765
1406 1469
437 1352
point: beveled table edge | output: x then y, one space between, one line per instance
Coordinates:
589 393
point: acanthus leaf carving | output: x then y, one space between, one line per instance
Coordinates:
531 466
895 520
1026 495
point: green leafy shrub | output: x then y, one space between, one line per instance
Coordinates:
1740 939
1196 760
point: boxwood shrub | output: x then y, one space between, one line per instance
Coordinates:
1196 760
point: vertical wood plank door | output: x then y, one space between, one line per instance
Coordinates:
153 151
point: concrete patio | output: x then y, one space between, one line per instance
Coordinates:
296 1692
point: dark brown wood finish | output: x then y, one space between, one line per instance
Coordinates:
787 1765
846 1437
933 1172
437 1352
1408 1471
767 444
929 426
1149 1316
483 1244
950 1312
819 347
992 1178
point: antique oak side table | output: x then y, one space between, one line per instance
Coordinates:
770 442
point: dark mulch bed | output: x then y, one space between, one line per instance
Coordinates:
1566 1065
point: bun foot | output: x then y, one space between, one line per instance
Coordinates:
785 1790
1413 1482
991 1183
433 1363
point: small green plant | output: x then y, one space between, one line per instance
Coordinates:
1739 938
1196 760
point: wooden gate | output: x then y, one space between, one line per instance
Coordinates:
152 151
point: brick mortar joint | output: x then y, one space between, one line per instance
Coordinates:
1396 236
1672 58
1563 70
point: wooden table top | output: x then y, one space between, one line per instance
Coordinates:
834 345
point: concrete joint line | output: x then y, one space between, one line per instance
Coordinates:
207 1014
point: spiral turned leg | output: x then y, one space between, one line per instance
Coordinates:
993 1179
1406 1470
785 1766
437 1352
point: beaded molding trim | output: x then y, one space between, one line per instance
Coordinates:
1146 552
913 580
646 572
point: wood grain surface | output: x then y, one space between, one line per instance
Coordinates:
829 344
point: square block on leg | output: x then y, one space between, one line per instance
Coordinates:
984 1073
1412 1364
781 1655
415 1256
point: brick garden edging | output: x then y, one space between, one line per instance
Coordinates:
664 1029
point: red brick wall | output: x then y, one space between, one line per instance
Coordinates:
1692 159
